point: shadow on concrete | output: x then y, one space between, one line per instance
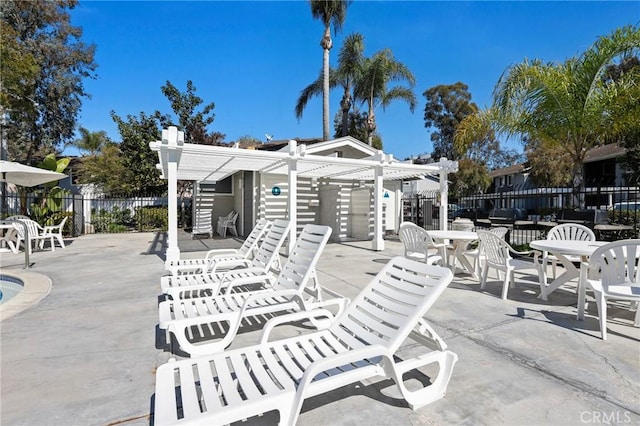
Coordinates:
158 245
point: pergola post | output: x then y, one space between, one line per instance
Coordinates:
292 202
172 142
378 240
446 167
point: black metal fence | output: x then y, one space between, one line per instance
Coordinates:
97 214
538 210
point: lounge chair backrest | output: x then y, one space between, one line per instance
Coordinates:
269 251
301 263
571 231
252 241
388 309
617 263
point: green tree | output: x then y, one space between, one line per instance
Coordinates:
358 128
44 92
139 161
625 114
549 165
332 13
193 123
91 142
472 177
349 70
106 170
446 107
374 87
568 104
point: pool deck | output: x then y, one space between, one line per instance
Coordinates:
86 353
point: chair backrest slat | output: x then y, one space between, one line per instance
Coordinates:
270 247
617 263
252 241
571 231
301 263
386 311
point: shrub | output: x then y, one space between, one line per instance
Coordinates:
152 218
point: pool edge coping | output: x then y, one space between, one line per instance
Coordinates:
36 287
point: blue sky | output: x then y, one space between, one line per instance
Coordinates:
252 58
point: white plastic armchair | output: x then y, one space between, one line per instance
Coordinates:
566 231
55 231
35 235
360 344
477 254
228 222
614 271
418 243
499 257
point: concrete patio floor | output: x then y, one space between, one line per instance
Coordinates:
86 354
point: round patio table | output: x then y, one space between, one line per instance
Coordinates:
461 240
561 249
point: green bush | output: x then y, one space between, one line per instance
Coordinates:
152 218
116 220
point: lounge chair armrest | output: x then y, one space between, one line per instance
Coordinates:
294 316
214 266
335 361
267 294
264 279
220 252
228 275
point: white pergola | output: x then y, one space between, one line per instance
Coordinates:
179 160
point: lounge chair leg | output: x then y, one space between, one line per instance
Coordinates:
438 388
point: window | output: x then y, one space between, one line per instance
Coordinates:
222 187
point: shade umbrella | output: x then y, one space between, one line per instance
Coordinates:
20 174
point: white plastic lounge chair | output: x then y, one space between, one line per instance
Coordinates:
246 251
618 266
266 259
566 231
499 257
289 291
228 222
360 344
417 243
56 232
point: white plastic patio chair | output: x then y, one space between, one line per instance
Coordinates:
617 268
417 243
205 264
56 232
210 283
360 344
227 222
566 231
36 235
289 291
477 255
498 255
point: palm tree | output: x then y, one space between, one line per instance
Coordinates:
373 86
91 142
331 13
350 61
569 104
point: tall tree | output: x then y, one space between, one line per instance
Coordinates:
358 128
348 71
42 96
184 105
138 160
374 87
332 13
568 104
447 105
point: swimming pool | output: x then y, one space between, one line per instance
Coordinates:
9 287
